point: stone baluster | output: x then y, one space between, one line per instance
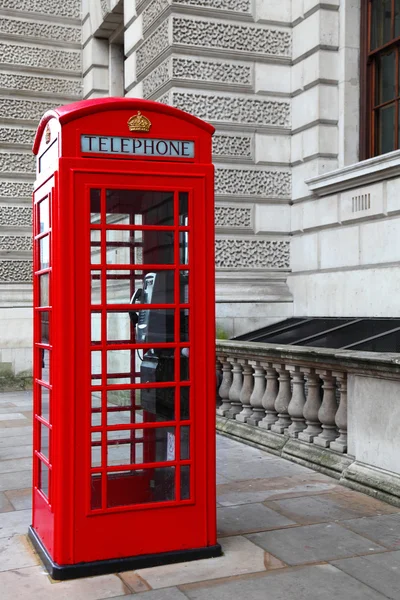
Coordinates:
246 391
340 444
235 389
312 406
296 405
225 387
327 411
282 400
257 395
218 377
269 398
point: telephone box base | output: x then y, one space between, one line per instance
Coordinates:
116 565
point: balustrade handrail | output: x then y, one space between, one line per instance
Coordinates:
351 361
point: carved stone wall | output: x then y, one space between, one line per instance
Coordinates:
253 254
228 216
41 68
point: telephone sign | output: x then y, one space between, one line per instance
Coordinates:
124 388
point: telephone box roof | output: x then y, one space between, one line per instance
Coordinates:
76 110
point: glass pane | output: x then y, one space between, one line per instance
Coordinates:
136 207
44 299
44 403
185 404
96 409
183 209
381 15
96 368
386 77
185 364
140 405
140 486
44 251
152 326
44 478
140 287
44 440
184 287
138 446
140 366
127 247
95 206
95 247
185 442
45 356
121 327
96 449
184 325
96 287
385 127
183 248
96 328
44 215
95 501
44 327
185 482
396 18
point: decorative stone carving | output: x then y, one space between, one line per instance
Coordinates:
164 99
16 163
15 189
8 135
153 11
152 47
15 216
230 36
62 87
268 254
227 216
66 8
246 392
269 397
23 109
243 6
15 243
234 109
235 146
48 31
16 271
212 71
158 77
256 397
296 406
282 400
312 406
269 184
327 411
44 58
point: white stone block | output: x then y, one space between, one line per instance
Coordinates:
362 202
272 148
296 147
380 241
320 212
296 217
321 139
271 218
339 247
321 65
311 4
271 10
86 30
393 195
321 28
136 91
304 252
307 170
95 53
272 78
133 34
129 10
130 70
316 103
96 79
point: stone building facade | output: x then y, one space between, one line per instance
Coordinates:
303 227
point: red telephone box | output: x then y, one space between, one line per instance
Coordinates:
124 373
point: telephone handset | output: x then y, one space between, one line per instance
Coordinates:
143 296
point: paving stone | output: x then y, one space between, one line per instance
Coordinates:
14 523
15 465
234 520
14 431
324 507
32 584
384 530
15 440
16 553
322 582
171 593
15 481
20 499
221 479
261 469
12 416
313 543
380 571
134 582
5 504
18 451
240 556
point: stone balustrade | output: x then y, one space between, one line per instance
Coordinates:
293 401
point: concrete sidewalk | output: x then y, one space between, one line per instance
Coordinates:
287 533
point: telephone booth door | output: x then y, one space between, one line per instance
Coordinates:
141 426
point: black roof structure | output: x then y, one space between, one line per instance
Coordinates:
347 333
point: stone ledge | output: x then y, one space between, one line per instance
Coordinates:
378 483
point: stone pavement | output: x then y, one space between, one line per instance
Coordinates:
287 533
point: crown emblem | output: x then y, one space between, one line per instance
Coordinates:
139 123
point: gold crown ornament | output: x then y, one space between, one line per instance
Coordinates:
139 123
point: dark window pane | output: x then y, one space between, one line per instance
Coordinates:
185 405
185 482
385 128
140 486
184 325
136 207
44 327
147 405
140 287
396 18
185 442
183 209
96 491
386 77
137 446
95 206
381 31
184 286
